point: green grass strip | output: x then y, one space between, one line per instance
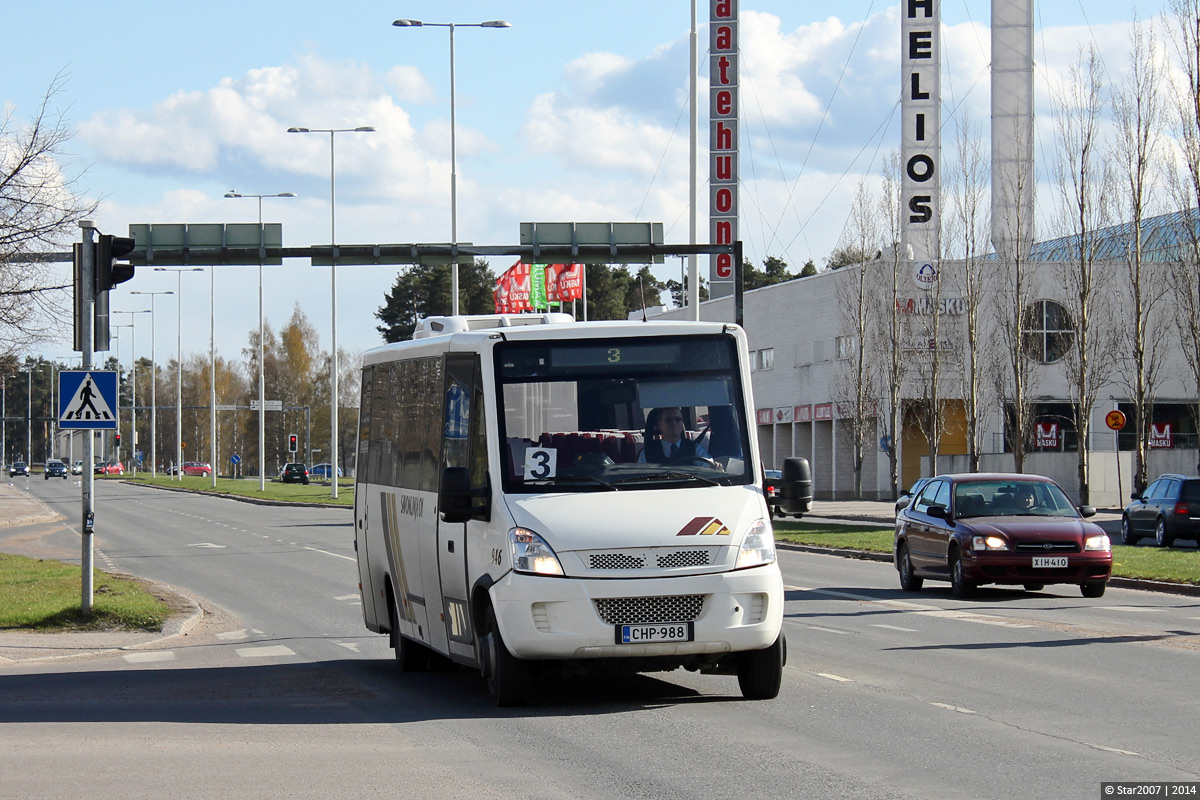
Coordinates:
1178 565
317 491
37 595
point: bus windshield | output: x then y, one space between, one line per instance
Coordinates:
621 414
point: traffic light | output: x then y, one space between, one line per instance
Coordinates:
109 273
117 440
293 445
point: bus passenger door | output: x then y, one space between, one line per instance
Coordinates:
464 444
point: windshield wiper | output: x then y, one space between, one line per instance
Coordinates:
591 478
658 476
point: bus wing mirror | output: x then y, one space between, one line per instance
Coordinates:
795 486
457 500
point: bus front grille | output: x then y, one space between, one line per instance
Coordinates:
639 610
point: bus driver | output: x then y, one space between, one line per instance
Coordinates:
664 440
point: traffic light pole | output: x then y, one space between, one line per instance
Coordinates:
87 334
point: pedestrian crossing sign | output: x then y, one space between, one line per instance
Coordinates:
87 398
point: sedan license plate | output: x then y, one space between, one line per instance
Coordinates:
1052 562
655 633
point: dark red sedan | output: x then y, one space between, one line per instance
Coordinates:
973 529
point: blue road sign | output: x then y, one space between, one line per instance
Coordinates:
235 458
87 398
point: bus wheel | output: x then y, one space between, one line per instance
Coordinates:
760 672
410 656
507 676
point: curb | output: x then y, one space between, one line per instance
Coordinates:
1140 584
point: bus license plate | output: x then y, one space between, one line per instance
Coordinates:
656 633
1052 562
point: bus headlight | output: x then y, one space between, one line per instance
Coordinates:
531 554
758 547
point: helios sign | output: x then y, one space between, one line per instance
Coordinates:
920 107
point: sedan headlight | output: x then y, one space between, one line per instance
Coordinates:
989 543
531 554
758 547
1100 542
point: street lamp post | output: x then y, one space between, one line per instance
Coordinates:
133 434
262 381
416 23
333 363
153 390
133 402
178 362
29 417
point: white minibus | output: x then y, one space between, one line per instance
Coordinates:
534 493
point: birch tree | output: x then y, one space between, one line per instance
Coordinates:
855 390
969 182
1083 186
1137 148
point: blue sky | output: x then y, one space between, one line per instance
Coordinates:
576 112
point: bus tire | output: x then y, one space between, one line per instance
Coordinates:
760 672
411 656
507 676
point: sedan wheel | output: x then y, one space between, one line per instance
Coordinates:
1092 588
961 587
1127 535
1034 587
909 582
1161 536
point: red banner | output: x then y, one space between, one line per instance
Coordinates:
564 282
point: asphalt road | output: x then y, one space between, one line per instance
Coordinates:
886 694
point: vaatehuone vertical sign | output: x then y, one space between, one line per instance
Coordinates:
723 141
920 107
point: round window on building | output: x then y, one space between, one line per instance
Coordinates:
1048 331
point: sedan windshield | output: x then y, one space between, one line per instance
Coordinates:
622 414
1011 498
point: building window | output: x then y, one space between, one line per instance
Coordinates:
846 346
1048 331
763 359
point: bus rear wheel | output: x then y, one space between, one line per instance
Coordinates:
507 676
760 672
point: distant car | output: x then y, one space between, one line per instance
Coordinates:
1167 510
197 468
293 473
18 468
55 469
109 468
908 494
978 528
77 468
323 471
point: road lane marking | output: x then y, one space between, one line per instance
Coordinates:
269 651
918 608
948 707
1116 750
347 597
348 645
326 552
145 658
208 544
828 630
229 636
893 627
833 677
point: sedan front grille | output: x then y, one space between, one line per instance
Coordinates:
1048 547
